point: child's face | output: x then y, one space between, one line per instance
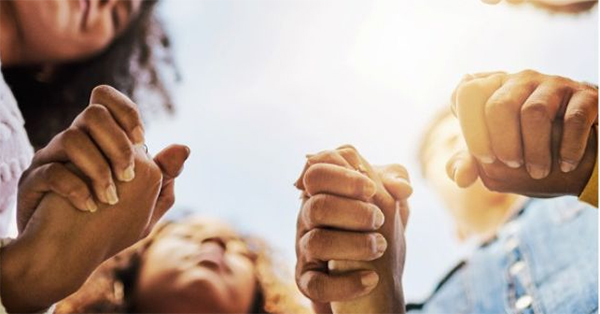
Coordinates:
473 209
198 266
56 31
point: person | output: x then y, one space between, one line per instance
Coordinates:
530 248
81 164
122 44
190 265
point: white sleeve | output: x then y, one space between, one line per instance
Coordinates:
50 310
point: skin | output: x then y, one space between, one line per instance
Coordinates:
475 210
47 221
530 122
350 230
336 242
200 266
32 29
61 246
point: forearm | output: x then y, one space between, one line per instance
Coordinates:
28 281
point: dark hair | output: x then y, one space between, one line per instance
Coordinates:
131 64
111 287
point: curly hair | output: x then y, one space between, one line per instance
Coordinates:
135 63
110 287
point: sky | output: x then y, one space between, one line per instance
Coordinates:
267 81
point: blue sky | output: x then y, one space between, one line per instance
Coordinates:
265 82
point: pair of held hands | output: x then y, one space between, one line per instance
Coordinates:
98 164
532 135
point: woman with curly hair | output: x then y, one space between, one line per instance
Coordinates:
54 54
194 265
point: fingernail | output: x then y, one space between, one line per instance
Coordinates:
91 205
380 244
378 219
188 151
128 174
369 279
486 159
536 171
111 195
567 166
514 164
138 135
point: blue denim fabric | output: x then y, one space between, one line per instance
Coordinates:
543 261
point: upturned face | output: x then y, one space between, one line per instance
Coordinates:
198 266
55 31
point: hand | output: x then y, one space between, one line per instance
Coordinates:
353 221
99 143
509 118
61 246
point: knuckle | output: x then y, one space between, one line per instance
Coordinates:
315 287
535 112
71 136
315 212
465 89
102 90
95 112
313 174
577 120
527 73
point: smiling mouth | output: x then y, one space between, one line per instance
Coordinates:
85 8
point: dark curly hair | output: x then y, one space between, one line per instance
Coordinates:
136 63
110 288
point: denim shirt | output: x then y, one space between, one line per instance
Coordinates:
544 260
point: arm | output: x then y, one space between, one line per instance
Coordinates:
61 246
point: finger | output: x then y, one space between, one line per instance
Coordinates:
330 211
325 244
352 157
395 180
321 287
336 180
462 169
491 1
75 146
467 78
53 177
110 138
580 115
471 99
170 161
123 110
326 157
537 114
503 119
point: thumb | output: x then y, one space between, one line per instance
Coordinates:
171 160
462 169
395 179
